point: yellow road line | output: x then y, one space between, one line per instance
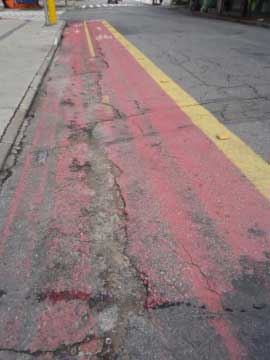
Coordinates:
105 100
251 164
89 41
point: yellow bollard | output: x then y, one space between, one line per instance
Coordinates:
52 12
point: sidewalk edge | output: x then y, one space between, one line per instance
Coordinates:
222 17
16 122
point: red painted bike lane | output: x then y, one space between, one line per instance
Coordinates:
45 242
198 231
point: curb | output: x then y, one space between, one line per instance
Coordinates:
234 20
245 21
16 122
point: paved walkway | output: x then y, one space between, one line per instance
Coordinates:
21 58
33 15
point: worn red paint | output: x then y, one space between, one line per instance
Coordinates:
71 194
53 194
65 295
176 185
184 179
22 184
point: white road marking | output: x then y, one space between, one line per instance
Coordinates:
104 37
137 4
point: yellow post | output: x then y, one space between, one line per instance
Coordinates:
52 12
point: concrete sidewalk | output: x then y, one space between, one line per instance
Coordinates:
26 49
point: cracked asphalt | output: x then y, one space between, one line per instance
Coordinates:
224 66
125 232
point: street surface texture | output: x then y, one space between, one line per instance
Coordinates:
224 66
126 231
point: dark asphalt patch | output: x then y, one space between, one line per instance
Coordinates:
250 306
41 156
159 335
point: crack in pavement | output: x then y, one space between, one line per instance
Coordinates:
201 272
72 348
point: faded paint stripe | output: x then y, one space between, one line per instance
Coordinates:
89 41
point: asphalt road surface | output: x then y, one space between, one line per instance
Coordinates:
225 66
133 224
